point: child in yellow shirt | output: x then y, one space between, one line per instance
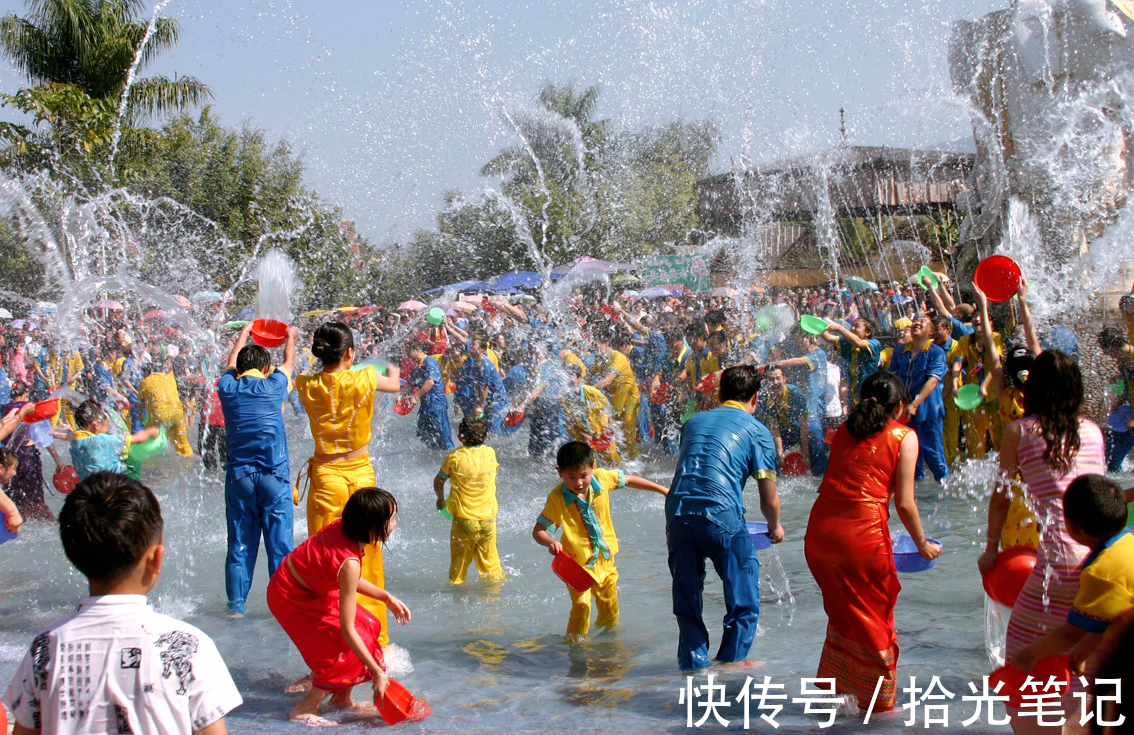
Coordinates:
1094 509
472 503
580 505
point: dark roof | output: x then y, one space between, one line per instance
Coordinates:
862 181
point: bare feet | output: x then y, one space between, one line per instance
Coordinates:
311 720
300 686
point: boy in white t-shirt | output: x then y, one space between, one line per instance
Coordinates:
116 666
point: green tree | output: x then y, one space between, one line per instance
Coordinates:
91 44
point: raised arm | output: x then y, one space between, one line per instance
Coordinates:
288 365
240 342
1030 334
994 366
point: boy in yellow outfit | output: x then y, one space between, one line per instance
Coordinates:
580 505
472 503
158 397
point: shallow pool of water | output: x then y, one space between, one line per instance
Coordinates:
493 660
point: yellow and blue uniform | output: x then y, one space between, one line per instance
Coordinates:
473 376
585 415
588 538
433 411
256 494
862 362
983 421
624 398
158 398
952 427
1106 584
91 453
340 407
472 503
915 369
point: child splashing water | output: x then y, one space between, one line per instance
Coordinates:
314 593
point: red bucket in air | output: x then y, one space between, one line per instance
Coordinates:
44 410
403 406
793 465
269 332
602 442
567 569
998 276
513 418
65 479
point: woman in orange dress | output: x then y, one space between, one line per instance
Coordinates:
848 549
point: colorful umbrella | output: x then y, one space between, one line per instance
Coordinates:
347 308
21 323
316 312
5 314
410 305
248 312
368 309
154 314
107 304
183 301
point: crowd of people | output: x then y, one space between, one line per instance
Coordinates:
886 384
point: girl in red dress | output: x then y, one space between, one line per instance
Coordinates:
314 593
847 545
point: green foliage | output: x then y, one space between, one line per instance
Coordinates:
578 186
69 127
91 44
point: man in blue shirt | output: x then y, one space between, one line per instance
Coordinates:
812 361
704 511
480 389
921 366
428 389
257 494
859 348
783 409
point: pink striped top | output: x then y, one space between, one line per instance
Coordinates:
1050 590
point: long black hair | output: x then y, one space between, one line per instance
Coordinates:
367 514
331 341
1054 395
882 392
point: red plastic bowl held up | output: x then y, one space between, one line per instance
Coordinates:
269 332
1008 575
400 705
1014 679
662 394
602 442
709 383
998 276
403 406
44 410
513 418
567 569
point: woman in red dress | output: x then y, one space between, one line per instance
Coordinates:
848 549
313 595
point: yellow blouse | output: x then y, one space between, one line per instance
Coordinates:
340 407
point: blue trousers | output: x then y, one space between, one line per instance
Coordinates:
931 448
1117 447
255 504
691 540
644 417
433 429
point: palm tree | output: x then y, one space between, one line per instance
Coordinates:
91 44
549 144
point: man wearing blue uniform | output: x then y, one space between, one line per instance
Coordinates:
813 362
783 409
480 388
704 511
257 494
859 348
920 365
428 389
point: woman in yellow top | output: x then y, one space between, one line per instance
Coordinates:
160 401
340 405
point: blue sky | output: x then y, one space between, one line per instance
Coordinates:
395 103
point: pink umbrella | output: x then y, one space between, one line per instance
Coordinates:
410 305
106 304
155 314
183 301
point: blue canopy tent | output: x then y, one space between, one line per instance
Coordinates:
514 280
461 286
